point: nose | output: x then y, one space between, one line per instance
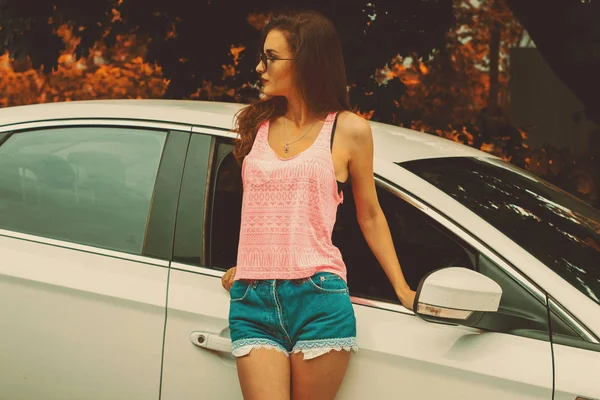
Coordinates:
260 67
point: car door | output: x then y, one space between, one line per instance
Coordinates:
576 360
400 355
507 357
546 233
85 214
197 360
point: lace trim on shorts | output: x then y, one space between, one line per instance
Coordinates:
315 348
243 347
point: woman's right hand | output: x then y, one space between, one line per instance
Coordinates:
227 279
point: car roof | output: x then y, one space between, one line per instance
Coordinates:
392 143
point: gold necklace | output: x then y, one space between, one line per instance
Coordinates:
286 143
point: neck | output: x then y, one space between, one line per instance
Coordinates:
298 113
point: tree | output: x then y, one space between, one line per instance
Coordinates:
567 34
459 91
28 27
193 40
106 73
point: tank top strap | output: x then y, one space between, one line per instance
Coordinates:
263 130
325 136
261 140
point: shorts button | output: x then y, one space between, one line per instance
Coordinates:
322 278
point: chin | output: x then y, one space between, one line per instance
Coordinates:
268 92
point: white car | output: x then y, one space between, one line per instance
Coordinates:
118 218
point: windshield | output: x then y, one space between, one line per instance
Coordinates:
558 229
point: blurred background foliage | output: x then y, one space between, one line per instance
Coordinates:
493 74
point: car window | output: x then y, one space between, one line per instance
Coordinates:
4 136
424 245
560 230
87 185
189 232
421 244
519 312
226 206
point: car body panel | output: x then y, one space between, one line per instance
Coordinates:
78 322
392 143
64 330
197 302
576 302
401 355
576 373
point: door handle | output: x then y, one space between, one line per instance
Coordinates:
211 341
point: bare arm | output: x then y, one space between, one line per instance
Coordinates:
370 217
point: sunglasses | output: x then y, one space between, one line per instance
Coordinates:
264 59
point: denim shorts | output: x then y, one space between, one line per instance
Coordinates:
310 315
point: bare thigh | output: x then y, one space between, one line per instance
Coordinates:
264 374
318 378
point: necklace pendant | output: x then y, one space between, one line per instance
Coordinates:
286 148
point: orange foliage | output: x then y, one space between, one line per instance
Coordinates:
211 92
229 70
19 88
235 52
119 72
258 21
448 94
116 15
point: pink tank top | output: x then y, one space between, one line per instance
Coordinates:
288 211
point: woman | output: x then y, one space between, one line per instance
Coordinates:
291 320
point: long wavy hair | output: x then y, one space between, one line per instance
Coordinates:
319 69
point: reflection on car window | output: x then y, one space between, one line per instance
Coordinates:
557 228
421 244
87 185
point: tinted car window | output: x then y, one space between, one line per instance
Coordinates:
189 231
226 208
88 185
560 230
422 246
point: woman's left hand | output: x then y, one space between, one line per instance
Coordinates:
227 278
408 299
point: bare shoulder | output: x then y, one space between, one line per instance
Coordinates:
353 127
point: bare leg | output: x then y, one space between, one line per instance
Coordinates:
318 378
264 374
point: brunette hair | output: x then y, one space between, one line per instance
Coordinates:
319 69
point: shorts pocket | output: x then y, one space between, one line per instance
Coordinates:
328 282
239 290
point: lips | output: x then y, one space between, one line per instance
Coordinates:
263 81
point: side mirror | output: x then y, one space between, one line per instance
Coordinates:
457 296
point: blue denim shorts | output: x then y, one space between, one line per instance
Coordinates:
310 315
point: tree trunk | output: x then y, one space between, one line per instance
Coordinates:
494 56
